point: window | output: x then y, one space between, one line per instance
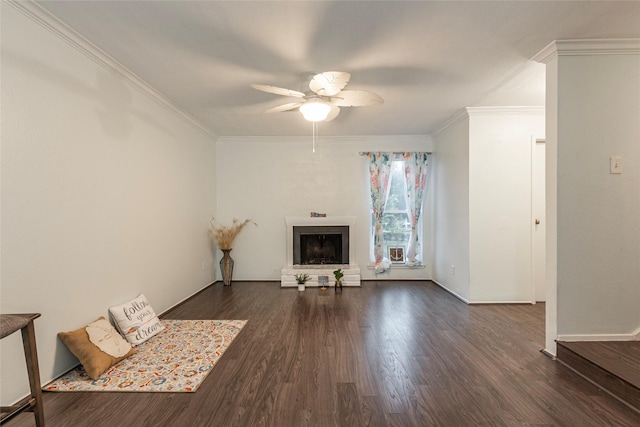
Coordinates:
395 220
398 182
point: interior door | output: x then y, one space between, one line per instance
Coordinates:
538 219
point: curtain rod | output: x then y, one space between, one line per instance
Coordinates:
364 153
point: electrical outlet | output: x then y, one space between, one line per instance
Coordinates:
204 265
616 164
453 270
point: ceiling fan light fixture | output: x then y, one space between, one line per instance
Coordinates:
315 110
322 102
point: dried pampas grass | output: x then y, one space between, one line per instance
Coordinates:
223 235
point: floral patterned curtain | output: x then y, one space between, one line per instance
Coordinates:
415 174
379 171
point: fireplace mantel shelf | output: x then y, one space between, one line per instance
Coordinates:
324 220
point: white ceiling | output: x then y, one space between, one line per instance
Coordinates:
427 59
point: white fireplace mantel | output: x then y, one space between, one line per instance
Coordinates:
351 270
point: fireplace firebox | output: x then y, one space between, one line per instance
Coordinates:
320 245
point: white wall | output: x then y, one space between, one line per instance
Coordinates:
598 244
500 182
266 179
593 234
105 194
482 223
451 208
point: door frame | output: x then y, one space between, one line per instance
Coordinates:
538 224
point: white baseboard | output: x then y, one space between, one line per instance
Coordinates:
464 300
184 299
598 337
500 302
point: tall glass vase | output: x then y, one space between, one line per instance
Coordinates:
226 267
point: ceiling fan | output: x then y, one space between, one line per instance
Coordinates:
324 98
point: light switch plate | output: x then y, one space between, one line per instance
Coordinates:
616 164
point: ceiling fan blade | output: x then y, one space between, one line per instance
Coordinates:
329 83
335 110
356 98
278 90
284 107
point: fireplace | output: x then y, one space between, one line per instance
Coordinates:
320 245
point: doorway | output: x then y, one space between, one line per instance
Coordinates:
538 232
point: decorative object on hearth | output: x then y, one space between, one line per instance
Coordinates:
322 281
224 237
338 274
176 360
301 279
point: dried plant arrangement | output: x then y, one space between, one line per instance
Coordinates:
223 235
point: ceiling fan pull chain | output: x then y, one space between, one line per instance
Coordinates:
313 133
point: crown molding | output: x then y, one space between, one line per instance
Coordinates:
456 118
546 54
54 25
372 139
472 111
580 47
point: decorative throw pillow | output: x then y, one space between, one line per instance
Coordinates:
136 320
98 346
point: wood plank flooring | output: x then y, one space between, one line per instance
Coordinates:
385 354
621 358
612 365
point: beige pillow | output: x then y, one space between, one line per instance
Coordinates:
136 320
92 355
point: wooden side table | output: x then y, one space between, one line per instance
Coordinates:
10 323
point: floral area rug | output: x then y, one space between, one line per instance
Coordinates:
176 360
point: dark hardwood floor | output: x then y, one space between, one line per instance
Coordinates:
612 365
385 354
